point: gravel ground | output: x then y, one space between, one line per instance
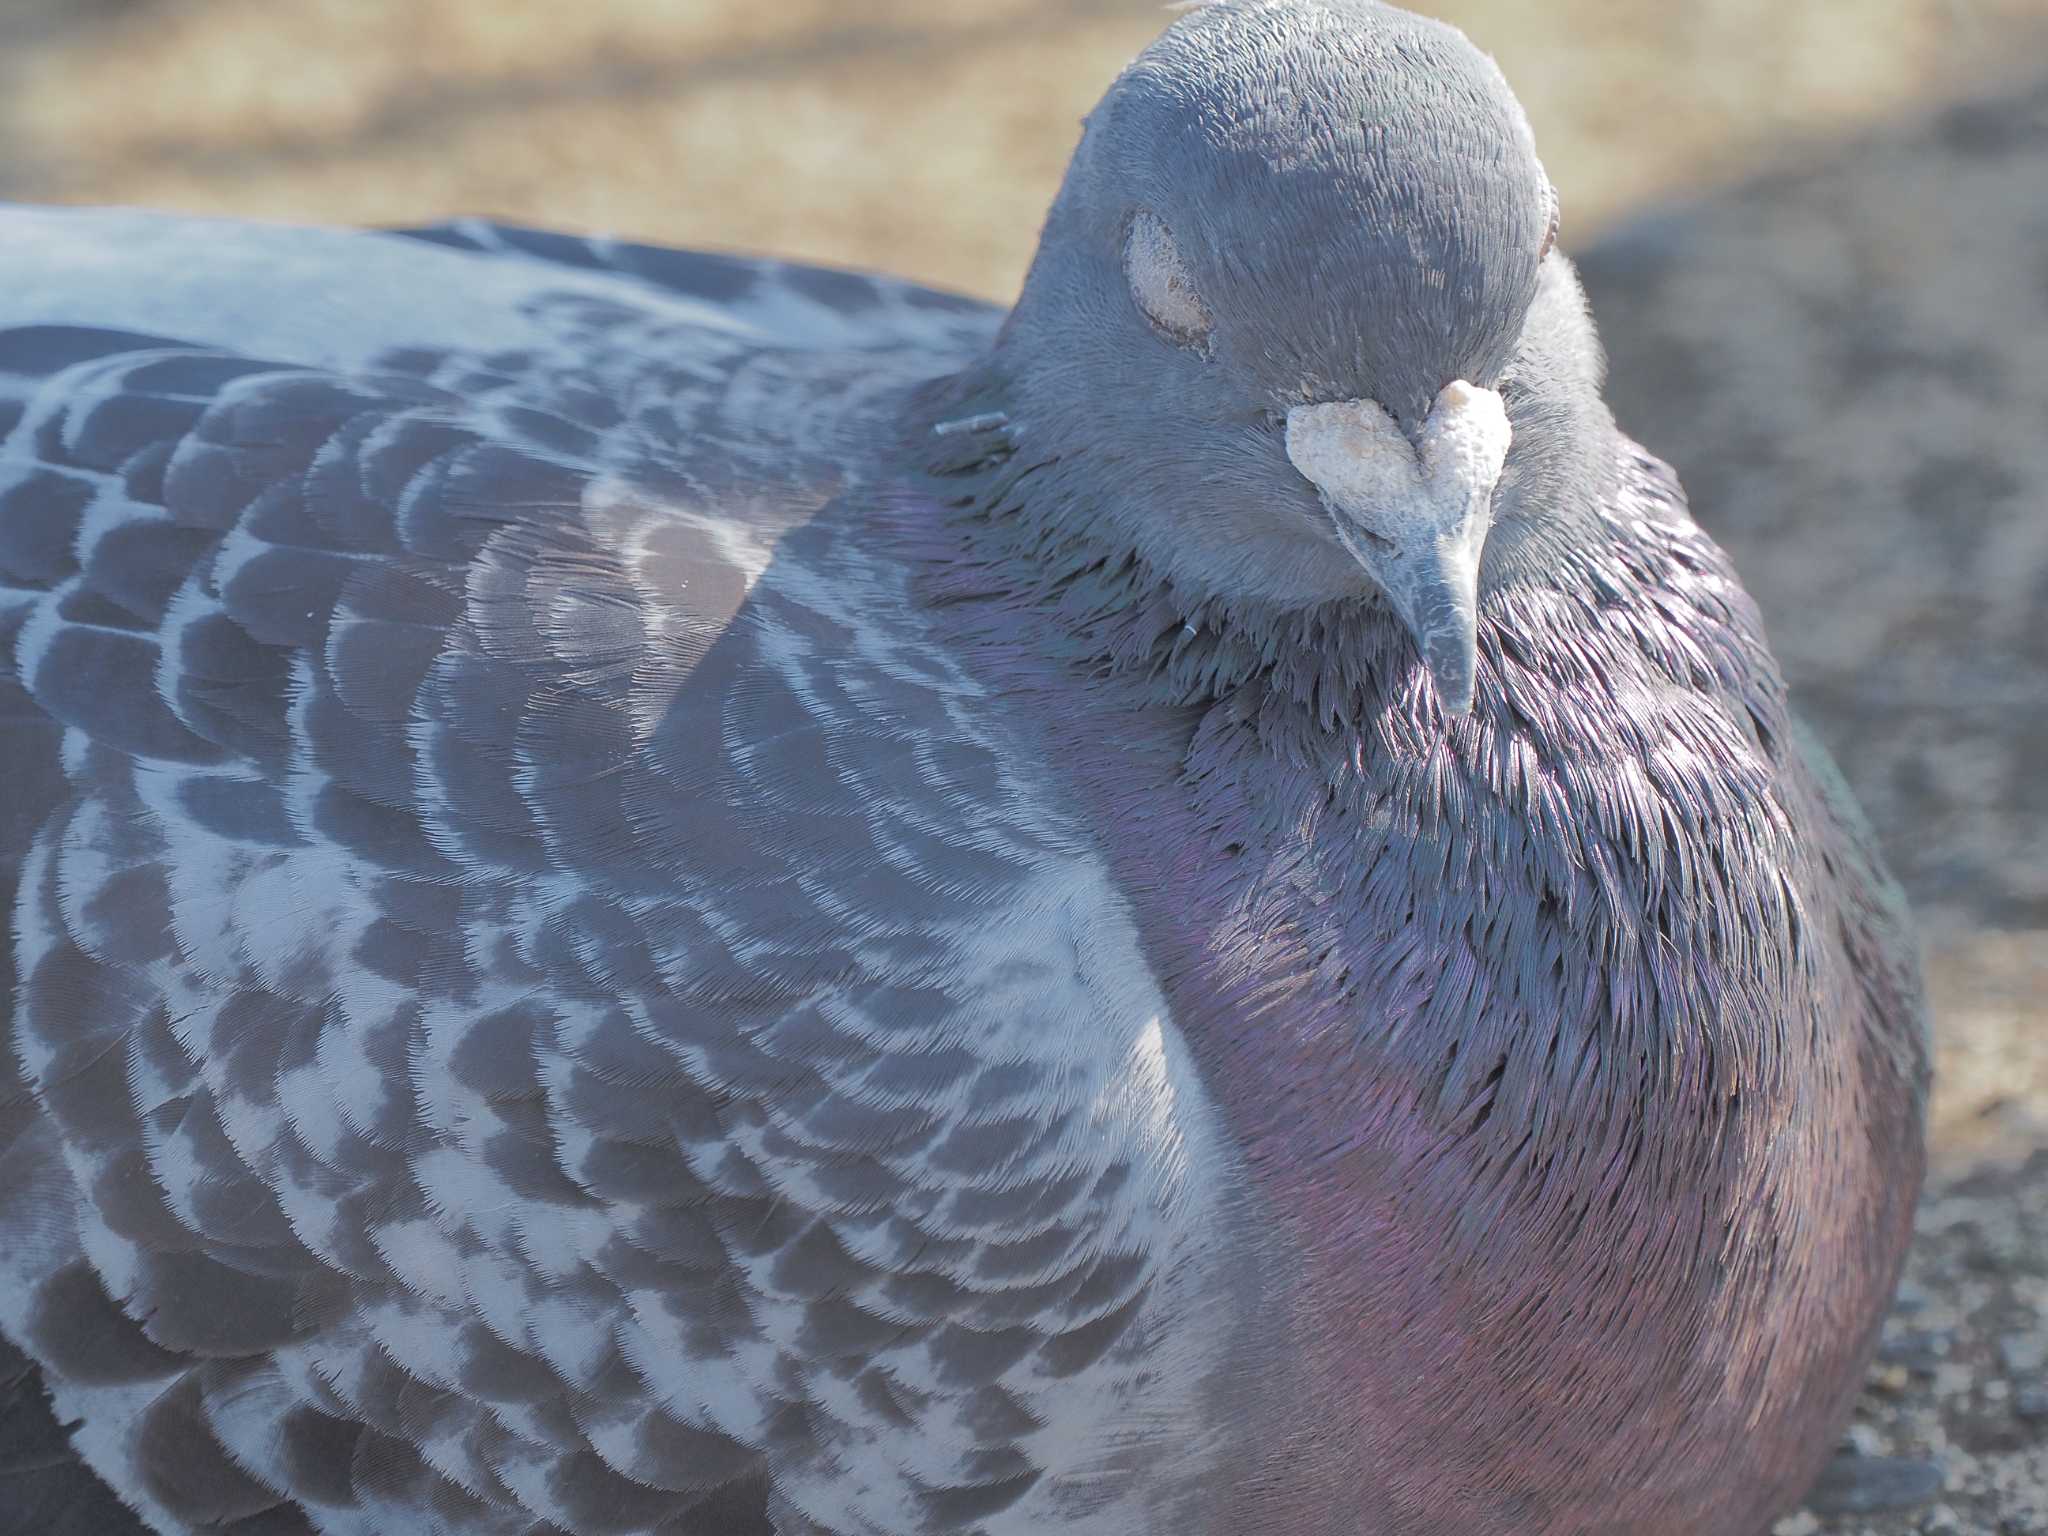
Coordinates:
1951 1435
1832 323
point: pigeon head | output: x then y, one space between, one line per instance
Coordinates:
1297 312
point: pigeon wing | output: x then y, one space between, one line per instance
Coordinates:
541 1000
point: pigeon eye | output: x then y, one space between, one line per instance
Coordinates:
1550 230
1160 284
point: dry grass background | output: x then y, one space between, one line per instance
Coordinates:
920 135
926 138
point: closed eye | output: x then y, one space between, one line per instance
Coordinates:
1160 284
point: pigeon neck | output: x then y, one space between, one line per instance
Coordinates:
1630 728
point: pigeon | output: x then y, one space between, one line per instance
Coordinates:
662 893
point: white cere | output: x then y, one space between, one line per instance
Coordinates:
1357 456
1550 229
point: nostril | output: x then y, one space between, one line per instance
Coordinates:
1411 423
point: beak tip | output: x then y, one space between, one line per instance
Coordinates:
1452 663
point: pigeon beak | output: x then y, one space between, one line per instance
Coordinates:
1415 514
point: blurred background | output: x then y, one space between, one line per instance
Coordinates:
921 135
1816 236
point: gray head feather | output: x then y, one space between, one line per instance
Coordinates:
1283 203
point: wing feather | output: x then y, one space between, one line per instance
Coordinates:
545 996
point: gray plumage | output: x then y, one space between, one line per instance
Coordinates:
665 894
